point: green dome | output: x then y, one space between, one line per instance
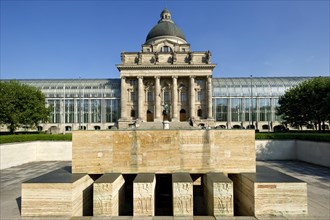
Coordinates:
165 28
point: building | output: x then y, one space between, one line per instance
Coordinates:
164 81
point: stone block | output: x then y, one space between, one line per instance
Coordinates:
144 186
58 193
269 193
219 195
106 194
182 184
163 151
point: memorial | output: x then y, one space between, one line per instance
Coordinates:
158 162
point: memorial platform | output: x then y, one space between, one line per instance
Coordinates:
316 177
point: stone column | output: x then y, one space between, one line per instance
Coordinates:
123 99
175 99
192 97
209 97
144 194
157 99
141 98
182 194
106 193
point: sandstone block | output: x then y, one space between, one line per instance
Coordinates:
182 185
219 194
106 194
58 193
144 194
269 193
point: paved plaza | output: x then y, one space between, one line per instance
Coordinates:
317 178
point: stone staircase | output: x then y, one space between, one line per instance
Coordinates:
159 126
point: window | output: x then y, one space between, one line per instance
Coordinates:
133 96
166 49
236 109
183 49
200 96
183 96
221 109
132 82
166 96
69 111
150 96
96 110
200 82
112 110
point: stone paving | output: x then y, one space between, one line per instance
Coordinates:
317 177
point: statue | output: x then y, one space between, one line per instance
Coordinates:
173 57
208 57
166 111
139 58
156 57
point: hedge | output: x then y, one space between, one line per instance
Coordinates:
324 137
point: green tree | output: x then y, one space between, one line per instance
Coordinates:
21 105
308 102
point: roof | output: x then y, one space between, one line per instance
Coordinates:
165 27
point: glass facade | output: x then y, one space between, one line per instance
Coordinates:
241 101
249 101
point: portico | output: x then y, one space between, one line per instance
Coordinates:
165 76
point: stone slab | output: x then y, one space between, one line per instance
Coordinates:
144 186
58 193
106 193
163 151
219 194
269 193
182 185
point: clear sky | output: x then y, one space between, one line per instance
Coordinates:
72 39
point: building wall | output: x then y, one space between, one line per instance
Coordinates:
96 104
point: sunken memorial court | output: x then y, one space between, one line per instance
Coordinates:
137 150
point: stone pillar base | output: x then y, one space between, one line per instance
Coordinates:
219 195
144 194
123 123
106 194
182 194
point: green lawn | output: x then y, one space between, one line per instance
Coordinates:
34 137
259 136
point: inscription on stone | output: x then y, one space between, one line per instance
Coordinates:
193 140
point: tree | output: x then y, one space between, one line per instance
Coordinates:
21 105
308 102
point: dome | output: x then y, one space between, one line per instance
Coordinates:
165 27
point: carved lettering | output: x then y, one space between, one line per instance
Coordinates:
193 140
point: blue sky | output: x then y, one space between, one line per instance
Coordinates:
72 39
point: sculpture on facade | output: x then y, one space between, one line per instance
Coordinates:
208 57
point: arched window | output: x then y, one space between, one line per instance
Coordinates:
68 128
266 127
97 127
166 49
